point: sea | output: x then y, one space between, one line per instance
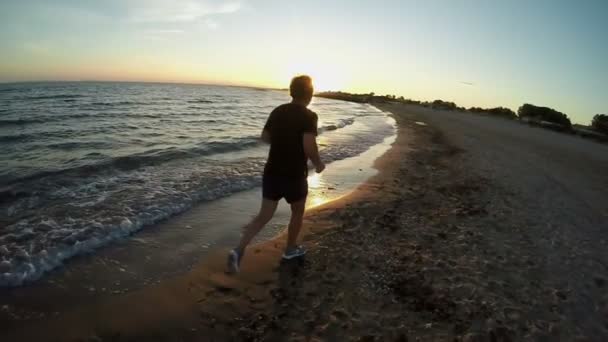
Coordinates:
84 164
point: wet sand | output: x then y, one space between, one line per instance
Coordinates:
168 249
473 230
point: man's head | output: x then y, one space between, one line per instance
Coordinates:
301 89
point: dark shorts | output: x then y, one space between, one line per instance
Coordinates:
292 189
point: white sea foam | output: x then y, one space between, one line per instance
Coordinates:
57 215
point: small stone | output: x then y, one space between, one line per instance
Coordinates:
500 334
561 295
94 338
512 313
402 338
473 337
599 281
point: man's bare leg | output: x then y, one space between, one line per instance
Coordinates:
253 228
295 223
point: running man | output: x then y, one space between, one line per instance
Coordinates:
291 131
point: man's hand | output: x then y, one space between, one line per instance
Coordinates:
320 167
312 151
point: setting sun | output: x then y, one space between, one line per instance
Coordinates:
325 76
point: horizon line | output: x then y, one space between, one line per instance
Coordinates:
149 82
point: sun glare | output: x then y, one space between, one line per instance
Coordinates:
324 76
317 194
314 180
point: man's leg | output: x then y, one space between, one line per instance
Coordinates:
250 230
295 223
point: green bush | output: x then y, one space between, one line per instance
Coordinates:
600 123
445 105
498 111
544 114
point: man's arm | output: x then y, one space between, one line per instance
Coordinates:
312 151
265 136
268 127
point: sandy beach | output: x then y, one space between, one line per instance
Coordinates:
474 229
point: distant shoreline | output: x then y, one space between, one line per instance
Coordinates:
583 131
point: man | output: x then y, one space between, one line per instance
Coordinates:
291 131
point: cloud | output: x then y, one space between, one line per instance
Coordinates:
164 32
468 83
211 24
180 11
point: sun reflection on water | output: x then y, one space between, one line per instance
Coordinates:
317 194
315 181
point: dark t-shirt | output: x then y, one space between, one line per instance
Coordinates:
286 125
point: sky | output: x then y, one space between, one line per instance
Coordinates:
473 52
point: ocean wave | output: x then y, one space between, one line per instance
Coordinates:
93 175
207 121
44 119
75 145
200 101
120 103
45 137
341 123
50 97
107 207
29 248
152 157
13 138
19 122
10 194
135 161
102 211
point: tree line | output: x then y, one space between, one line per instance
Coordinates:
545 116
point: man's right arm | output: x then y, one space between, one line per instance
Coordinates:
312 151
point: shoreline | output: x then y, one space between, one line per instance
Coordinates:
49 290
461 236
64 206
578 129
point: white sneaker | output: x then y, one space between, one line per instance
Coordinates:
234 261
296 252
